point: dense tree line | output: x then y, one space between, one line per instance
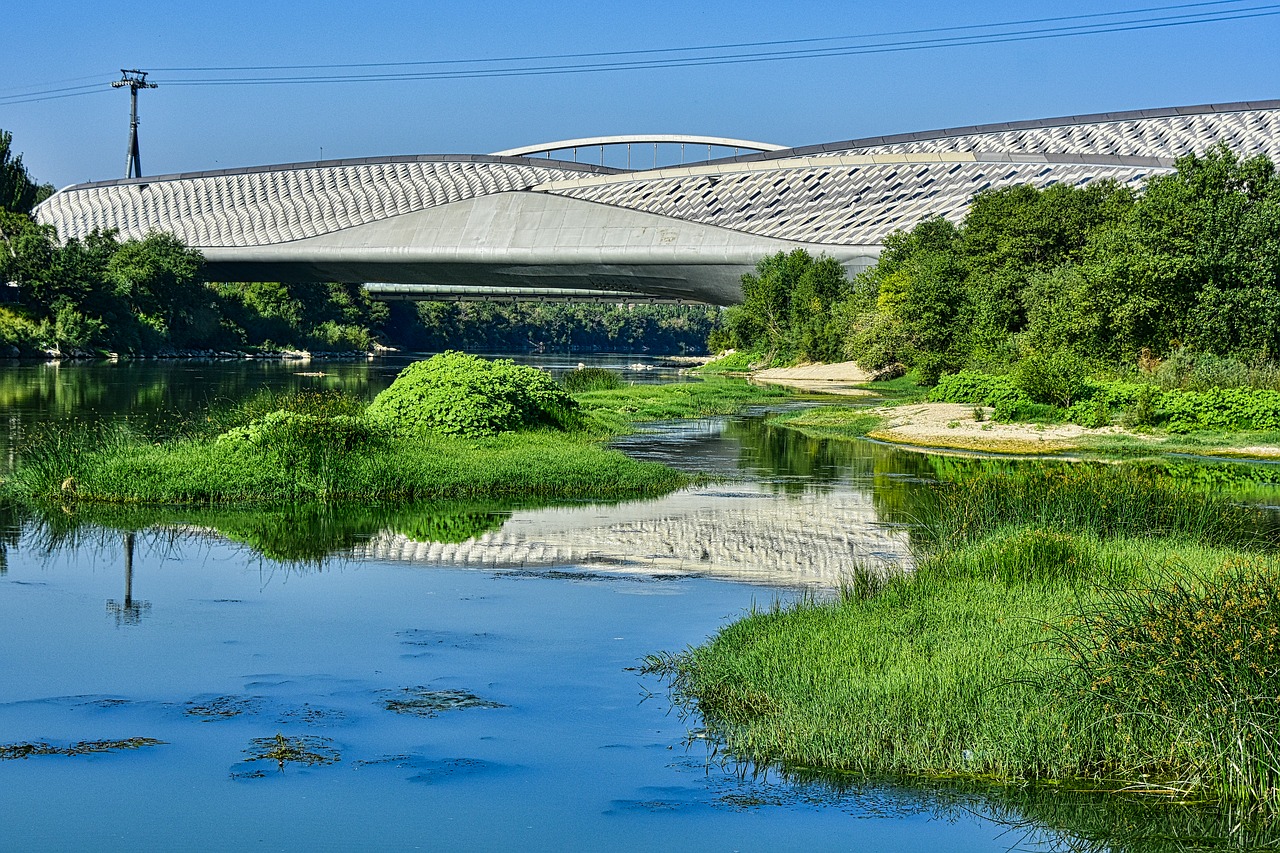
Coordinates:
150 295
551 327
101 293
1101 273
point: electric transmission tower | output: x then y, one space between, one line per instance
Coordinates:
135 80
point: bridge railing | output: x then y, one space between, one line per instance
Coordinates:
642 151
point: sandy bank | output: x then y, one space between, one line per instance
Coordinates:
840 378
954 425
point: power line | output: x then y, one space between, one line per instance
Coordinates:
728 46
18 99
81 79
710 55
81 88
751 57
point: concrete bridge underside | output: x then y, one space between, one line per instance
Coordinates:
527 240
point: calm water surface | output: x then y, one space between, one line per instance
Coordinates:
478 692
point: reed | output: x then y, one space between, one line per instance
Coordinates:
1034 639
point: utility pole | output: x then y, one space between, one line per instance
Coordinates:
135 80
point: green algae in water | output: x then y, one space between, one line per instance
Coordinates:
421 702
307 751
222 707
12 751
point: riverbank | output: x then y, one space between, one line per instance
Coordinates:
987 414
194 355
1065 624
325 447
957 426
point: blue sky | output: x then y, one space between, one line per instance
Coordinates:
793 102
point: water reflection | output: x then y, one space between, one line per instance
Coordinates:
151 390
130 610
1051 817
782 508
1080 821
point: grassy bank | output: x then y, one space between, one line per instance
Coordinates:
329 448
1074 624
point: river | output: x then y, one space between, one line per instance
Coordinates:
479 692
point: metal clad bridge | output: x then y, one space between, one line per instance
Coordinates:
525 222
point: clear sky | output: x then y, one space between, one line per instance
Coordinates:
50 44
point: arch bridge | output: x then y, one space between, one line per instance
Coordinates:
690 147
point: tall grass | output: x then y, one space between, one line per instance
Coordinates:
981 663
307 447
1106 501
1187 670
614 411
591 379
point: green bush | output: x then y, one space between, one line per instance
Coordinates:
294 429
1220 409
457 394
1142 411
1091 413
591 379
975 389
18 331
1020 410
1059 378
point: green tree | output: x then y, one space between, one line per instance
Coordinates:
787 307
1195 263
19 192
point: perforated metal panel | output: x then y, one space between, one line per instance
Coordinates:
846 205
263 207
779 195
1246 132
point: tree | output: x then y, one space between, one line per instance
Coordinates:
787 307
19 193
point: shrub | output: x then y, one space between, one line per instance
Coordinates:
977 389
1020 410
1189 673
1059 378
294 429
1142 412
1092 413
591 379
17 331
457 394
313 444
1220 408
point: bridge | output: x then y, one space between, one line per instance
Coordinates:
515 222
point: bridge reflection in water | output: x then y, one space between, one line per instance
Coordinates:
744 532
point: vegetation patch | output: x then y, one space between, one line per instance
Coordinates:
11 751
831 421
458 394
739 361
424 702
222 707
1035 639
591 379
612 412
304 751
